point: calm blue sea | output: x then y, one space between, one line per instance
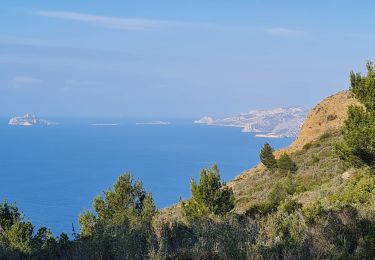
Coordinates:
53 173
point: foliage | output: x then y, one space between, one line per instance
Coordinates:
127 204
15 232
325 136
208 239
359 189
211 195
363 86
358 146
267 158
285 163
17 240
307 146
313 211
284 227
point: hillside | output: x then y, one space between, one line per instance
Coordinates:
328 116
325 120
317 165
323 210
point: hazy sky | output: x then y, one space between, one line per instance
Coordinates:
169 58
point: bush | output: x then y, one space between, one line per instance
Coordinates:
207 239
290 205
267 158
315 158
358 146
363 86
209 196
127 203
307 146
312 211
280 192
285 163
324 136
359 189
15 232
331 117
259 210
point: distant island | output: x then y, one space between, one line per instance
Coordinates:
274 123
154 123
29 120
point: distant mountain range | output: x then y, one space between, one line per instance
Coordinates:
28 120
274 123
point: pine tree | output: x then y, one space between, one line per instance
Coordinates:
358 146
126 204
209 196
267 158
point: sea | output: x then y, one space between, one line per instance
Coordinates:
54 172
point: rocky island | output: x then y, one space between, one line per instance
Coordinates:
274 123
28 120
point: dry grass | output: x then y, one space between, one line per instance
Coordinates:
328 116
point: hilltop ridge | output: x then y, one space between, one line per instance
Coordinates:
325 119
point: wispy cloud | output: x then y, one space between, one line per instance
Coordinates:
73 84
25 41
285 32
22 81
117 22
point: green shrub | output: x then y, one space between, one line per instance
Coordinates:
209 196
363 86
285 163
358 145
259 210
278 194
207 239
315 158
127 203
267 158
15 232
312 211
359 189
324 136
307 146
289 206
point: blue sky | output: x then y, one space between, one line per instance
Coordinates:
177 58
